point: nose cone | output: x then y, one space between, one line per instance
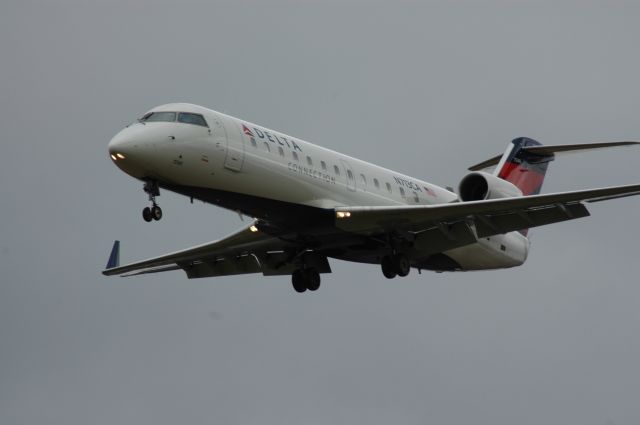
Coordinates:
127 151
123 143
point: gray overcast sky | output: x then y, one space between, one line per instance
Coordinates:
425 88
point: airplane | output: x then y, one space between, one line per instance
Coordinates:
310 204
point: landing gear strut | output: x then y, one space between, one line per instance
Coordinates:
303 279
395 265
154 212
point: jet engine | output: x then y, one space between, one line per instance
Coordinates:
479 185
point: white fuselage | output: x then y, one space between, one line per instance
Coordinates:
236 157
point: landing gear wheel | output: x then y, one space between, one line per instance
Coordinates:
152 189
313 279
156 212
298 281
388 269
401 265
146 214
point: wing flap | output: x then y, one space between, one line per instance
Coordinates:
489 225
244 264
444 238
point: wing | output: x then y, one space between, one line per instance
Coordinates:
437 228
246 251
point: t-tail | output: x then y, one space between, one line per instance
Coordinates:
525 162
523 168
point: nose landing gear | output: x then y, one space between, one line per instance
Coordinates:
154 212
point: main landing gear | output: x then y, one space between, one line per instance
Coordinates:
154 212
395 265
303 279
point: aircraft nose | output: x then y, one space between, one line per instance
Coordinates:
127 150
121 145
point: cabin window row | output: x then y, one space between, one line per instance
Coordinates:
336 169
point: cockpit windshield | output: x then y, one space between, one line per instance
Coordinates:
189 118
159 116
183 117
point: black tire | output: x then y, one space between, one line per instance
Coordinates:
298 281
388 269
146 214
313 279
401 264
156 212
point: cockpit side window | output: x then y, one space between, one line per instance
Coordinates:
159 116
189 118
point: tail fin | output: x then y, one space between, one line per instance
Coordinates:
525 161
522 167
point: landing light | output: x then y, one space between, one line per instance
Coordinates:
253 228
343 214
119 155
114 157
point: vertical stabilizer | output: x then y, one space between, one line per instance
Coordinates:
522 168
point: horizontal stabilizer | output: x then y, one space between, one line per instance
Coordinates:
549 150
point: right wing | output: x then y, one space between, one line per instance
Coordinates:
246 251
437 228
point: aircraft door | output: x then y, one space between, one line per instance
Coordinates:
235 149
348 172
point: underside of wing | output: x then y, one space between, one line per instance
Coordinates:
246 251
437 228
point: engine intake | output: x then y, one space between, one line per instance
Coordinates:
480 185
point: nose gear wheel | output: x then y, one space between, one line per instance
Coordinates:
154 212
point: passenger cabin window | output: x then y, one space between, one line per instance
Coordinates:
159 117
281 151
323 165
295 155
416 199
388 187
402 192
350 174
376 183
309 161
364 179
253 143
267 147
336 170
189 118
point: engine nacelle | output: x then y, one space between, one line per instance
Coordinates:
479 185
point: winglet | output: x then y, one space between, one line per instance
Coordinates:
114 258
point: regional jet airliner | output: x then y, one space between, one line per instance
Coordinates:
310 204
